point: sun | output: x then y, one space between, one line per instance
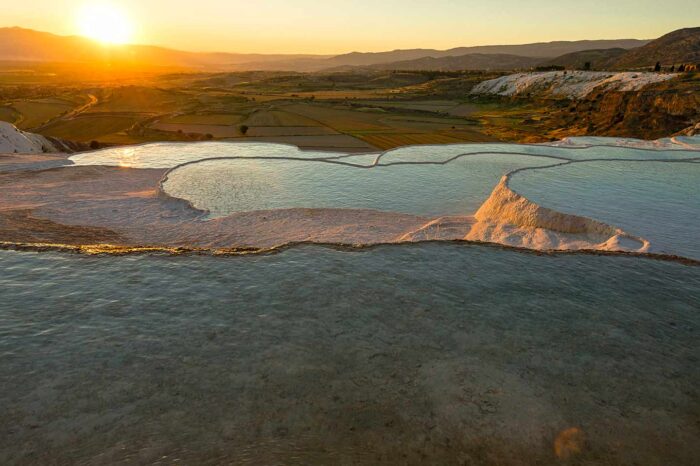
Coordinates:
105 22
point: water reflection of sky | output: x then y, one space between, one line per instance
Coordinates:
659 201
458 188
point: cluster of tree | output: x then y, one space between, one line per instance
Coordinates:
431 75
681 68
29 92
196 136
550 68
685 67
586 67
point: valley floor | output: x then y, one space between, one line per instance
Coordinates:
346 112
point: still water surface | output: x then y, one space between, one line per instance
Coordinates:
659 201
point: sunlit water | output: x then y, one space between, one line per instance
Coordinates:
583 150
430 353
676 142
227 186
414 354
168 154
401 182
656 200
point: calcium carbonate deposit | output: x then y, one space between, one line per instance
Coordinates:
570 84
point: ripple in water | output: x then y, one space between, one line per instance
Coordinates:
433 353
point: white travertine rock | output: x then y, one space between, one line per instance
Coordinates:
15 141
571 84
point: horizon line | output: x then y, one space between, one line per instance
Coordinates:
139 44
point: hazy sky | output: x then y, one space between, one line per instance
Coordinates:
336 26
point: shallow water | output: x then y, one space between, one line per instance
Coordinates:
659 201
676 142
433 353
168 154
227 186
596 148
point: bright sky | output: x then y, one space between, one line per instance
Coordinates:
338 26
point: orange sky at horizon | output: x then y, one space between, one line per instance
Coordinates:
339 26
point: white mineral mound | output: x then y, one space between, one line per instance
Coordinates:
15 141
509 218
571 84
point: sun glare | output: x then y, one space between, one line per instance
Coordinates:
104 22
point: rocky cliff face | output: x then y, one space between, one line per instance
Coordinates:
656 111
568 84
631 104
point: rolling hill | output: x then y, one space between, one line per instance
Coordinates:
18 44
536 50
599 59
476 61
681 46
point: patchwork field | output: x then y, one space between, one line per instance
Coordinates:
290 131
437 106
9 115
216 131
37 112
367 110
389 141
205 119
279 118
331 142
90 127
138 99
340 118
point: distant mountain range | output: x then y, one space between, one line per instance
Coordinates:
472 61
18 44
537 50
676 48
683 46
